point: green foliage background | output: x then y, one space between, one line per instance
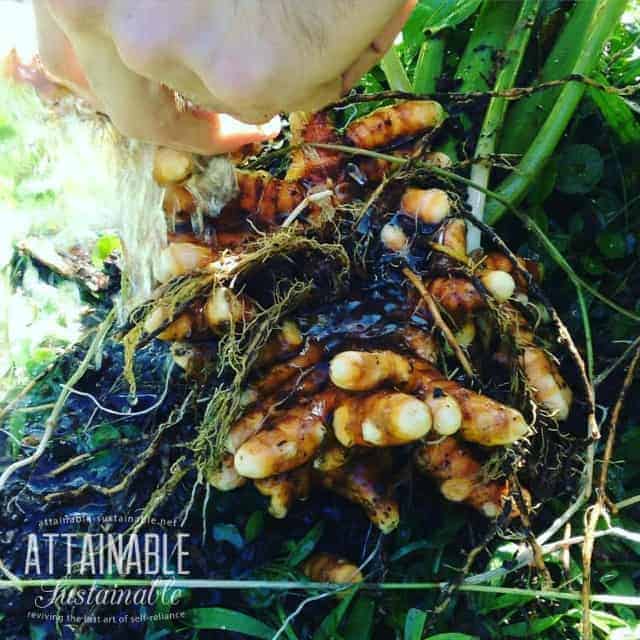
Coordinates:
586 202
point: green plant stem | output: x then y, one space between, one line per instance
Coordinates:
527 115
627 502
429 65
586 327
550 594
477 63
601 377
394 71
527 221
494 117
489 37
514 188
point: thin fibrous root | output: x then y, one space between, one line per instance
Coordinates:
143 460
52 421
439 322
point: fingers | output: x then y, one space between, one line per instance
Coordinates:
430 206
277 376
140 107
58 56
222 309
330 432
484 421
182 257
225 477
226 134
378 47
548 386
284 489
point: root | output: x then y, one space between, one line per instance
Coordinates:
462 97
450 588
50 426
125 414
178 471
599 509
143 460
440 323
181 292
238 353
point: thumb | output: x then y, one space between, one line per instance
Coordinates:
226 134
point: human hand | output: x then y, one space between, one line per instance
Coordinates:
227 57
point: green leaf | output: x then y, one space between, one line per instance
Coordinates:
623 586
39 359
580 169
359 625
612 244
434 15
228 533
17 423
414 624
452 636
103 248
103 434
37 632
303 547
228 620
593 265
254 526
532 627
617 113
6 132
328 628
504 601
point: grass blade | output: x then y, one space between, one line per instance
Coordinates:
228 620
359 625
414 624
328 628
303 547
